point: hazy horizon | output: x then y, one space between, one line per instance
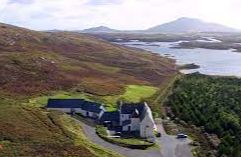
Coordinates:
116 14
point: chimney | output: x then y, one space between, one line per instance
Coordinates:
120 103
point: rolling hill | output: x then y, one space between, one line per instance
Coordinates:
181 25
100 29
36 63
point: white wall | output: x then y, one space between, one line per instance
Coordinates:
146 131
124 117
76 110
65 110
126 128
68 110
90 114
147 125
135 124
84 113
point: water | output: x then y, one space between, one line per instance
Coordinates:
209 40
211 62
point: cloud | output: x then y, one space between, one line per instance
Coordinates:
119 14
104 2
21 1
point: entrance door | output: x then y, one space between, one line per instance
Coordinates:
72 111
129 128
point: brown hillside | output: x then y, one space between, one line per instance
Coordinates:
33 62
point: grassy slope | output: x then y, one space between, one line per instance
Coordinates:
33 64
134 93
26 131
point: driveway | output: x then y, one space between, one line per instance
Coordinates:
171 146
89 131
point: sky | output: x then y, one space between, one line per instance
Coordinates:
117 14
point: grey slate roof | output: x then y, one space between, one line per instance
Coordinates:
74 103
130 108
111 116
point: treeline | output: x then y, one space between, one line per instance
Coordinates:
212 102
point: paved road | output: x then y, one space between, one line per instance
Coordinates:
90 133
171 146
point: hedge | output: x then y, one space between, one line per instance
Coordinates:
101 132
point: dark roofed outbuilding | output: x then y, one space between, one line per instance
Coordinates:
65 103
75 104
91 107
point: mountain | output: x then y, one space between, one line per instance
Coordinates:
181 25
100 29
184 24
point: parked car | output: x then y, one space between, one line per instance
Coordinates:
118 134
181 136
158 134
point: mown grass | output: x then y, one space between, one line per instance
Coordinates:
133 93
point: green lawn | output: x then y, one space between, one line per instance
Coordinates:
133 93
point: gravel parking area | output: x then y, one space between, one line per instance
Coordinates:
171 146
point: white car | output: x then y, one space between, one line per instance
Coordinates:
181 136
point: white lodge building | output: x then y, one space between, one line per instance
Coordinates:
137 118
134 118
85 108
